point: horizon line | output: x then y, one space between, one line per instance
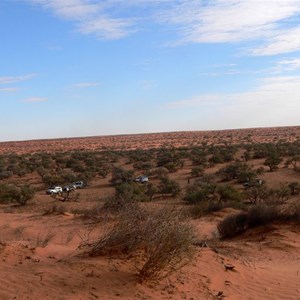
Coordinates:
145 133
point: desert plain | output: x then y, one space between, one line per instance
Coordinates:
205 177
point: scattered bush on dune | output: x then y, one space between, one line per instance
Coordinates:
199 192
93 213
169 186
233 225
129 194
120 176
10 193
228 193
125 236
258 215
168 246
208 207
197 171
132 192
162 241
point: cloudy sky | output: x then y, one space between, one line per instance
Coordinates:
94 67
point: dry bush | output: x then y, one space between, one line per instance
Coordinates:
125 236
209 207
42 240
92 213
67 196
295 213
19 231
163 242
117 204
259 215
232 225
168 245
55 210
292 213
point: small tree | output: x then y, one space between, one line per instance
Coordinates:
240 171
228 193
256 194
10 193
169 186
151 190
26 193
294 187
131 192
281 194
197 171
272 161
120 176
200 192
294 161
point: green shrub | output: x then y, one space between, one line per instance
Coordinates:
169 186
120 176
6 174
233 225
132 192
258 215
257 194
272 161
207 207
8 193
199 192
228 193
261 215
12 194
197 171
169 159
294 187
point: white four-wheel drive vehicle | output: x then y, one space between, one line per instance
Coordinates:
141 179
54 190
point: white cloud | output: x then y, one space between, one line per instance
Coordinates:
105 28
147 84
224 21
90 17
270 24
286 65
195 101
274 102
35 99
280 90
86 84
15 79
291 64
69 9
282 41
9 90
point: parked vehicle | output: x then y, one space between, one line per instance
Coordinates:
68 188
78 184
141 179
256 182
54 190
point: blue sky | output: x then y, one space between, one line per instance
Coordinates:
96 67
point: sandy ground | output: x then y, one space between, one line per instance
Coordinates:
40 258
